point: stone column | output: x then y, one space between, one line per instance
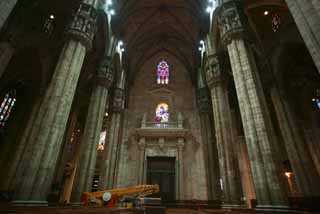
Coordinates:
181 166
304 171
21 155
223 130
245 171
6 6
90 139
251 99
109 165
209 146
142 149
307 15
50 123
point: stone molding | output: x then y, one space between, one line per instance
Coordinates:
83 26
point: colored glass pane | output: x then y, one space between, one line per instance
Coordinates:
162 113
163 72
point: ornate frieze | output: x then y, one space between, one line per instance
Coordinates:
83 26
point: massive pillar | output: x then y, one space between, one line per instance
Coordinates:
224 134
6 6
47 132
209 143
307 15
92 130
111 155
304 171
22 153
257 130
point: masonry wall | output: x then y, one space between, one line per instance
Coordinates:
179 94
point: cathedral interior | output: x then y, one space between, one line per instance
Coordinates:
215 101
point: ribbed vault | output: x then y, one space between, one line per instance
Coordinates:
150 27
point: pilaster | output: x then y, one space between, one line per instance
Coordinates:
181 166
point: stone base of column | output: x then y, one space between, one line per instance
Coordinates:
30 203
274 208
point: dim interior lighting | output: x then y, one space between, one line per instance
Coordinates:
288 174
266 13
112 12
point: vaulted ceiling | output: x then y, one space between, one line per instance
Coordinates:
150 27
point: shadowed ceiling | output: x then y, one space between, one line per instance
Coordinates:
152 27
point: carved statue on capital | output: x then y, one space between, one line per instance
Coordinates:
230 21
214 72
105 73
118 100
83 26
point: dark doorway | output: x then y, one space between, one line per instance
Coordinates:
161 171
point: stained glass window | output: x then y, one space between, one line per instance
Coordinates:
163 72
162 113
6 107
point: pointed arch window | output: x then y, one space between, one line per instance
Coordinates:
7 103
163 73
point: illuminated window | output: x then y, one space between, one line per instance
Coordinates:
102 140
162 113
6 107
163 72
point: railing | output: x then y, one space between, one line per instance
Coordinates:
155 125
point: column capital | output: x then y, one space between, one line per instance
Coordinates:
105 74
83 26
230 21
118 100
213 68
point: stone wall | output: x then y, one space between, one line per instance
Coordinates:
179 94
